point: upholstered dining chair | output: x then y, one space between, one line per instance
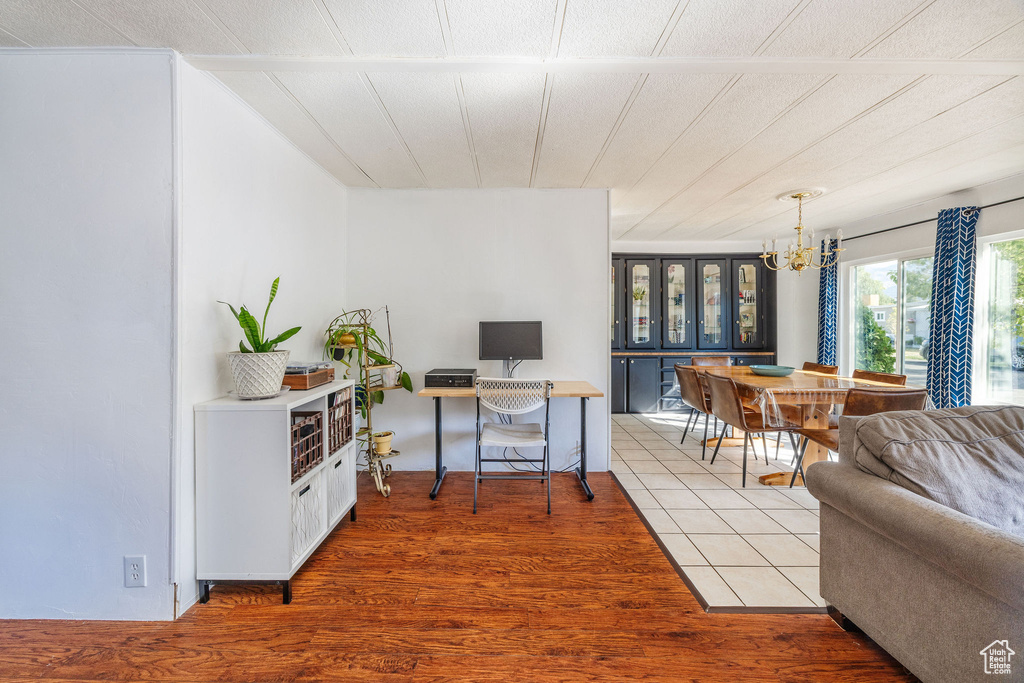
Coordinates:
728 407
823 369
692 392
716 361
859 402
886 377
507 397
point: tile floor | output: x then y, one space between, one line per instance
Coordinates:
754 547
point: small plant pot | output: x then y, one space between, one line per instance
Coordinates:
389 376
382 442
258 375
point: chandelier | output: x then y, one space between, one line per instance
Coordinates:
798 256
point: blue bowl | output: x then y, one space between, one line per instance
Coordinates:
772 370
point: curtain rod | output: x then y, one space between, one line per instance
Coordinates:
927 220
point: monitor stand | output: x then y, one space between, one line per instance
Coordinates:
508 367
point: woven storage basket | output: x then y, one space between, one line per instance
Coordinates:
257 374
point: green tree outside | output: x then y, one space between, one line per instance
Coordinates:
873 350
1012 255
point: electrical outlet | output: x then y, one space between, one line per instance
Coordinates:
134 571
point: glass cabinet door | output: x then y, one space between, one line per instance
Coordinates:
642 315
677 303
617 301
712 307
748 314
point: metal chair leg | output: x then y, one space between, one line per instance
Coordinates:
764 443
717 445
704 447
778 442
792 442
799 468
746 437
689 420
548 470
476 474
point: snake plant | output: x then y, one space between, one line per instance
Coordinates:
254 332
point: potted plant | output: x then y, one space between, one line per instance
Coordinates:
382 442
639 293
258 369
351 338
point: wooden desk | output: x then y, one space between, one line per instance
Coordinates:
561 389
810 395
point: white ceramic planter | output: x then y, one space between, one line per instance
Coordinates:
257 375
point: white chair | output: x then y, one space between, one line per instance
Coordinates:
512 397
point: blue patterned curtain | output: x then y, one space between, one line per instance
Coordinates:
952 324
828 308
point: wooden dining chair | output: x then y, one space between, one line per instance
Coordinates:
823 369
886 377
705 361
728 407
691 389
859 402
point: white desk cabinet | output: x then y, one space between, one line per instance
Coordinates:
273 478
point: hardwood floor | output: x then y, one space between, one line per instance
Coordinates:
421 590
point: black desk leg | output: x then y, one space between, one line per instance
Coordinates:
439 469
581 471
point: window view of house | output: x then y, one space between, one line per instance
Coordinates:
1003 370
874 330
916 303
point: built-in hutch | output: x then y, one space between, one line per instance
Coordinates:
273 479
668 308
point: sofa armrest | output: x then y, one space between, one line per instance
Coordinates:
988 558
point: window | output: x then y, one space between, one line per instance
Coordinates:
999 323
884 294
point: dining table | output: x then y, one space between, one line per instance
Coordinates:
804 398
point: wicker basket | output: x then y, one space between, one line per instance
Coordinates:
307 442
339 420
258 375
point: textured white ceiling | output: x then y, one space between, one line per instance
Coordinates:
692 149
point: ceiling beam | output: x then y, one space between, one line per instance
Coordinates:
673 65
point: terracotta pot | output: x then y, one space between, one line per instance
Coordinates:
382 442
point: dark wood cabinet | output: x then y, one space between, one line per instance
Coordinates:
748 300
712 304
676 303
618 301
643 377
667 308
643 292
618 394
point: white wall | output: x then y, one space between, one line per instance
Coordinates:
86 181
797 337
797 317
443 260
253 208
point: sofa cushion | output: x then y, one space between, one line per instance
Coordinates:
969 459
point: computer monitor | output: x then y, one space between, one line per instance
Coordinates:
511 340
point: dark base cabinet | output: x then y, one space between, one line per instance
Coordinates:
647 384
644 382
618 394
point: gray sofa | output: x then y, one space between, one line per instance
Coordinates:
922 536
